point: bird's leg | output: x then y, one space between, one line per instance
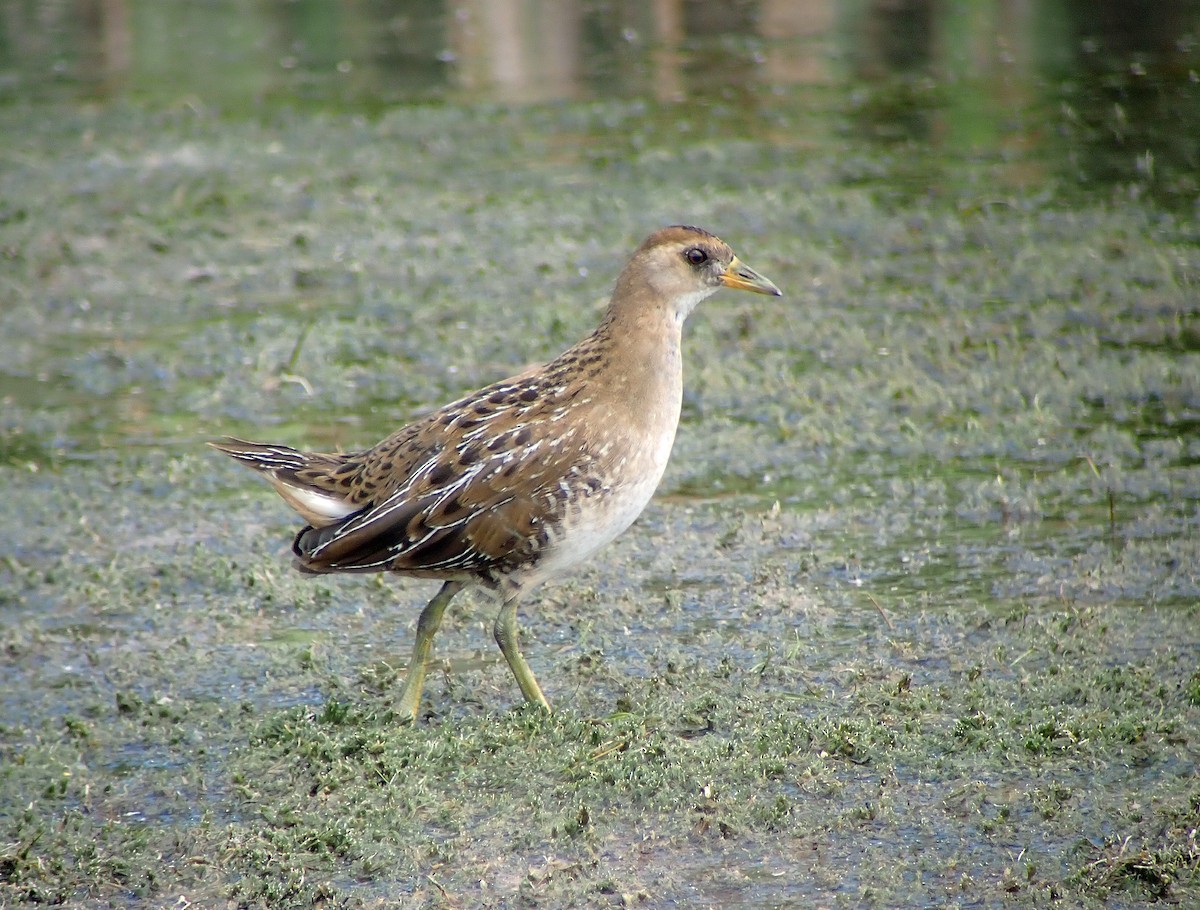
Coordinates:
427 626
505 632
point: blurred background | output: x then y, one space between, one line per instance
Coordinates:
914 620
1098 92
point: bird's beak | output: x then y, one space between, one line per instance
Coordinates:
744 278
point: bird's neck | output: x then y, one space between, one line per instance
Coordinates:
643 365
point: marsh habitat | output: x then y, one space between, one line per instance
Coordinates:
914 620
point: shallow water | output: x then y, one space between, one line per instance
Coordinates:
918 596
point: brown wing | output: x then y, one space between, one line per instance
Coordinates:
422 537
486 518
481 480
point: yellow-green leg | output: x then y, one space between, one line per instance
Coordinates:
505 632
427 626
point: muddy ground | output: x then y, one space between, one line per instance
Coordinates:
914 621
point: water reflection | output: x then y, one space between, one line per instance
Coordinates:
1130 88
1100 92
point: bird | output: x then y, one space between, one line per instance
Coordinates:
519 481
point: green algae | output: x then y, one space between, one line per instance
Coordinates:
913 622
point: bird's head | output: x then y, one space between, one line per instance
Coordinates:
681 265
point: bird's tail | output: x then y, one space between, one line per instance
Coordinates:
312 483
263 457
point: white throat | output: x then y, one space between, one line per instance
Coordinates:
685 303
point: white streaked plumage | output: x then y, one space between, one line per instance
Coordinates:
515 483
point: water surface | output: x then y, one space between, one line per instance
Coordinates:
913 620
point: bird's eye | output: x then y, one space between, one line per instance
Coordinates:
696 256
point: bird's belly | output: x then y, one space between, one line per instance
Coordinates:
587 525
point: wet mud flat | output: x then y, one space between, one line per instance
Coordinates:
914 621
